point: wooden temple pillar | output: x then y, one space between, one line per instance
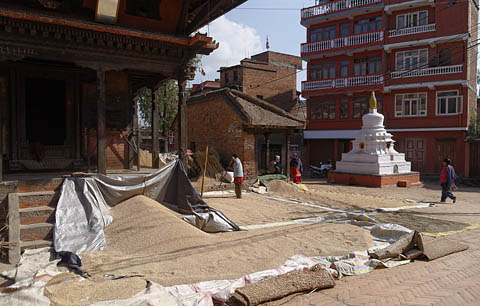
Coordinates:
1 141
136 133
267 153
155 129
287 154
182 121
101 122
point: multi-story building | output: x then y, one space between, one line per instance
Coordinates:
420 62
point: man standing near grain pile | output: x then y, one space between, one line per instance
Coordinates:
237 175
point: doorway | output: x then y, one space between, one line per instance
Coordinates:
45 107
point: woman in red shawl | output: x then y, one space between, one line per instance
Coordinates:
296 169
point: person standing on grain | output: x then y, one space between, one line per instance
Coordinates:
237 175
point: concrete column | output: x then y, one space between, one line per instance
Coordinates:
136 132
182 121
101 123
335 153
155 128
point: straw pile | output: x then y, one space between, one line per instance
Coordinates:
214 165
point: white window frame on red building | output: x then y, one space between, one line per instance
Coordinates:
458 100
409 23
404 56
405 97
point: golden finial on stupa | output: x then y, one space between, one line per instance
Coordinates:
373 101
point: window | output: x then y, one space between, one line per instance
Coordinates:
344 68
322 71
408 60
368 25
235 76
367 65
143 8
445 57
344 109
411 105
322 110
345 29
361 106
449 103
412 19
323 33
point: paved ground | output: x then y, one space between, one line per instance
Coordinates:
451 280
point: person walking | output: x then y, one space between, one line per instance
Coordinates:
447 180
237 174
296 169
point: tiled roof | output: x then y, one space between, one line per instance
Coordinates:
256 113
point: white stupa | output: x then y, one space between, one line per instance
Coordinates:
373 151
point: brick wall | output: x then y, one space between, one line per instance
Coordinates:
215 123
270 75
117 150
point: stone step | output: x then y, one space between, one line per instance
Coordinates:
40 214
35 185
38 231
38 198
35 244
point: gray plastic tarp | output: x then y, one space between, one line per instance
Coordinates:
83 208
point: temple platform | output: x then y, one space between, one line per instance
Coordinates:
369 180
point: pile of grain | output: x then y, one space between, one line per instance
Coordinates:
67 289
283 187
143 226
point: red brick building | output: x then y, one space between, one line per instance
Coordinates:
205 87
420 62
270 76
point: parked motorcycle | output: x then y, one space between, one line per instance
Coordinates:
321 170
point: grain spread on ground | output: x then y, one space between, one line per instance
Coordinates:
148 239
338 198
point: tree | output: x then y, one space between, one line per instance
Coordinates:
167 95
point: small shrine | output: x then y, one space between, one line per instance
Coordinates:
373 160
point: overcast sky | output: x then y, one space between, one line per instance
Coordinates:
243 31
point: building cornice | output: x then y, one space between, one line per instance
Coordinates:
429 85
429 41
407 4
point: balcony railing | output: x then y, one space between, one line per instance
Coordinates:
354 40
334 6
412 30
365 80
427 71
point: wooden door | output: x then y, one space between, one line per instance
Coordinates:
444 148
414 149
475 159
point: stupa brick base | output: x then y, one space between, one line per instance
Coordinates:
372 180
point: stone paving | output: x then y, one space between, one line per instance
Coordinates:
450 280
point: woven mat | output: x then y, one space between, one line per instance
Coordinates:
280 286
440 247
